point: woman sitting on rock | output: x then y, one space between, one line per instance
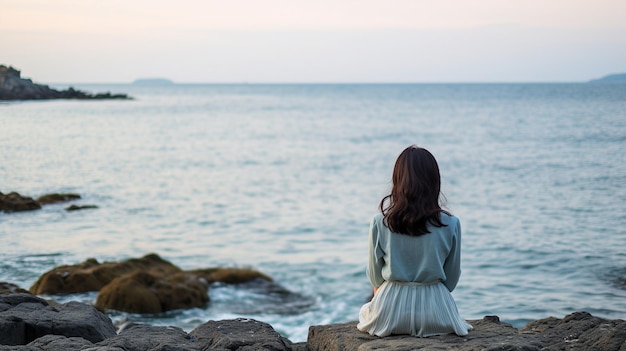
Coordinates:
414 255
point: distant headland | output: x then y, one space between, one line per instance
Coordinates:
14 87
152 81
611 78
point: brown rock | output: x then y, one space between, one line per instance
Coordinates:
92 275
142 292
56 198
14 202
229 275
145 285
80 207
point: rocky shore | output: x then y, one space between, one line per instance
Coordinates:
14 87
29 323
152 285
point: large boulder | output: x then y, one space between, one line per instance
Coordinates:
148 284
24 318
579 331
142 292
145 292
239 334
92 275
14 202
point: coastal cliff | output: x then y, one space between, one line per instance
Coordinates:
14 87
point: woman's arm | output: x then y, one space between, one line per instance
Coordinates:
376 261
452 265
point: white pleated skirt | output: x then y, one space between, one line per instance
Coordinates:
412 308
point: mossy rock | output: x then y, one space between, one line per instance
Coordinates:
93 276
142 292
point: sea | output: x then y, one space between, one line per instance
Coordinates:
285 178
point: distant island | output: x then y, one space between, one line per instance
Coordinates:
611 78
153 81
14 87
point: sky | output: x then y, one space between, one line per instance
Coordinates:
320 41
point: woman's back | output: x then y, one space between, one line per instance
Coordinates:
414 255
423 259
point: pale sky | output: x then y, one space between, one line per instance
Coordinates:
276 41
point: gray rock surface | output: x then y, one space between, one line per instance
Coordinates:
240 334
28 323
147 338
24 318
577 331
59 342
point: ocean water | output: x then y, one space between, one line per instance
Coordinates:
285 179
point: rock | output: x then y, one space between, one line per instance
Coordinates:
13 87
8 288
145 285
92 275
14 202
19 348
228 275
239 334
60 342
145 337
24 318
577 331
80 207
36 326
56 198
142 292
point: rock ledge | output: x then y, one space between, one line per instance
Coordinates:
28 323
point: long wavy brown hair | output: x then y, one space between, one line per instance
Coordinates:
414 199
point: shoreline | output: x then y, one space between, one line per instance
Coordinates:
30 323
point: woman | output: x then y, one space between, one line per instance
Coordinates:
414 255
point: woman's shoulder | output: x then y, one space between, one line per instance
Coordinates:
377 218
449 219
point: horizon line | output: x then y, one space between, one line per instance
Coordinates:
329 83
